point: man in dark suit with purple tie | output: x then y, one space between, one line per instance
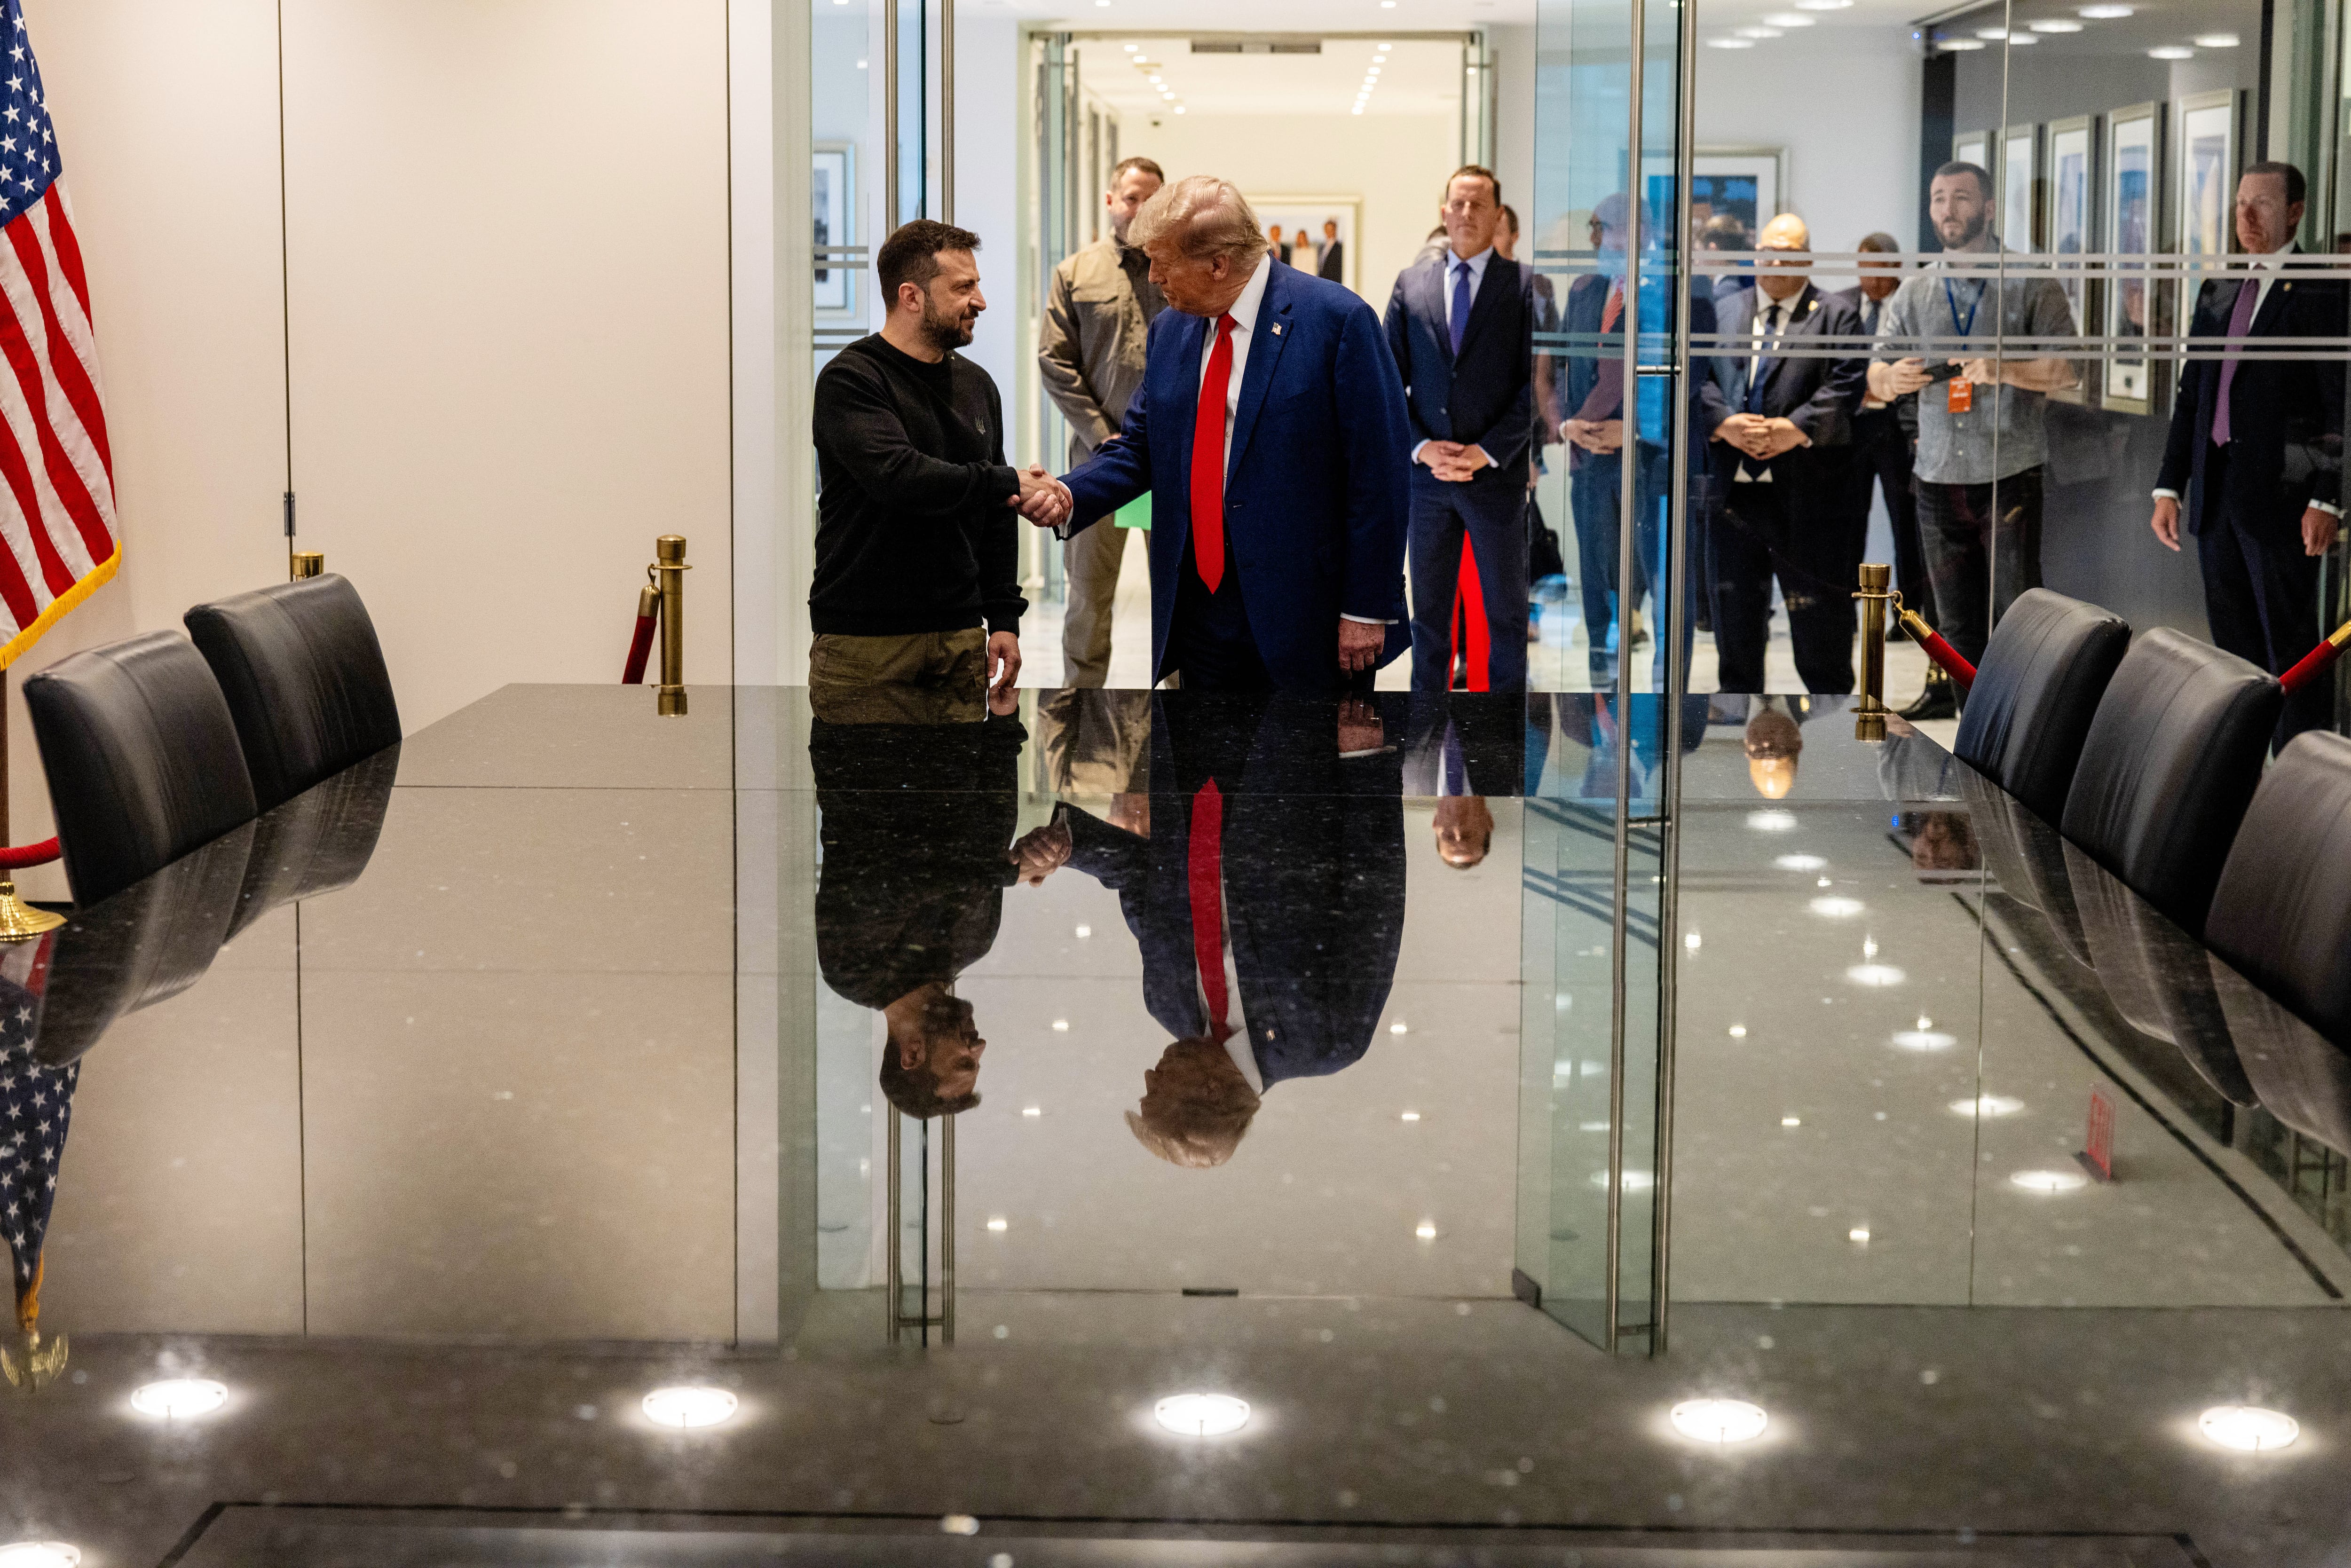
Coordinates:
2256 446
1269 433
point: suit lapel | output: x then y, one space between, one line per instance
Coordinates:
1501 277
1186 401
1429 285
2265 321
1273 335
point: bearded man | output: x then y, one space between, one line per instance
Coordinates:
918 541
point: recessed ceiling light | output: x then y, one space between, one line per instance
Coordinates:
1738 1031
2050 1181
1357 109
2249 1427
1719 1420
1085 932
1156 79
1179 109
2104 13
1130 49
1799 862
2018 40
1032 1110
1760 32
689 1406
998 1222
1771 821
1399 1028
2055 24
178 1397
1925 1039
1730 43
1958 46
1170 97
1202 1415
1425 1230
2170 52
1875 974
1858 1233
1372 70
2217 40
39 1555
1988 1105
1791 1121
1692 942
1061 1026
1412 1116
1822 4
1835 908
1787 19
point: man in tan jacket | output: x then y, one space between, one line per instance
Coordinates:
1091 357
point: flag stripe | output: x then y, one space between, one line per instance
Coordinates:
65 373
71 312
41 400
69 247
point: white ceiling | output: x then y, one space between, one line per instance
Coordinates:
1414 78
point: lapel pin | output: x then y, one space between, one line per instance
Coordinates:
1277 328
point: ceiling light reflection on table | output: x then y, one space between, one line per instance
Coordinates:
1875 974
39 1555
1202 1415
689 1405
2249 1428
1719 1420
1988 1105
1799 862
1769 822
178 1397
2050 1181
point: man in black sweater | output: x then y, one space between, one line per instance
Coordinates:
917 544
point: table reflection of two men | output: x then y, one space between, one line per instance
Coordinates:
1255 843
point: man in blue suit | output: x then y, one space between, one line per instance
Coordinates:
1461 327
1266 888
1269 433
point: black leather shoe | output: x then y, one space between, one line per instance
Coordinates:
1939 700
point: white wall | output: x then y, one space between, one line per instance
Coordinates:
1396 163
1843 101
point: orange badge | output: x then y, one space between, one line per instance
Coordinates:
1961 393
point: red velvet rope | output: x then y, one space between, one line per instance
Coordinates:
2314 664
641 644
20 856
1954 663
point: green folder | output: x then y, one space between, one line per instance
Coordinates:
1135 513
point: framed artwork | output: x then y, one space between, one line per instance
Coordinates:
1302 220
1748 183
1974 147
2207 176
2068 161
2130 209
2019 192
833 193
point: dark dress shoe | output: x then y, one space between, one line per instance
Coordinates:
1939 700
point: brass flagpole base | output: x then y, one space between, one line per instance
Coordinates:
19 921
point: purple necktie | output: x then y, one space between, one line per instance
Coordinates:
2248 293
1460 322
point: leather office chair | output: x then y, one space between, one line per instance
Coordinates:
141 758
2167 769
2282 914
305 679
2046 666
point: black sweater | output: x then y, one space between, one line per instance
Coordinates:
913 533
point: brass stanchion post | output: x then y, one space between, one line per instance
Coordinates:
669 574
1875 592
307 563
19 921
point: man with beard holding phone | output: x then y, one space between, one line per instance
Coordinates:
1980 440
918 541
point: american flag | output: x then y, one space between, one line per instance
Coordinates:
35 1103
56 505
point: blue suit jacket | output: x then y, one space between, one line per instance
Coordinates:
1316 489
1486 397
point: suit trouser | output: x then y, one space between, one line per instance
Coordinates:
1090 563
2261 594
1979 562
1749 548
1596 495
1491 513
1883 453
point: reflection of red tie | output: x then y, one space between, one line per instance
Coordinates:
1607 394
1208 463
1207 867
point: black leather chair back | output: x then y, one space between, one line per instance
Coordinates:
2168 768
2043 671
305 678
2282 914
141 758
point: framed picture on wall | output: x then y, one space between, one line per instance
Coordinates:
1974 147
2020 191
1304 223
2129 211
834 202
2068 165
2206 179
1749 184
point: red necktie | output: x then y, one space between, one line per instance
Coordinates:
1607 394
1208 466
1205 865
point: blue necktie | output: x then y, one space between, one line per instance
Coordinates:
1460 302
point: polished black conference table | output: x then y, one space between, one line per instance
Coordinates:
448 1111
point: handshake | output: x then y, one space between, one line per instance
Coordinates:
1043 500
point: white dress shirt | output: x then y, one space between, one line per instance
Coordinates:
1475 265
2265 272
1760 331
1239 1045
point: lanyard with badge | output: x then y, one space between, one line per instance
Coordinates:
1959 392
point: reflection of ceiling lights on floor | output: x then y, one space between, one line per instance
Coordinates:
1719 1420
2050 1181
39 1555
1988 1105
1202 1415
178 1397
2249 1427
689 1406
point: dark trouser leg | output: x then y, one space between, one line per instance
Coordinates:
1593 491
1889 462
1436 556
1819 629
1495 515
1738 568
1210 640
2015 540
1650 540
2261 596
1953 526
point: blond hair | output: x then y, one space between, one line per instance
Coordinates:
1206 217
